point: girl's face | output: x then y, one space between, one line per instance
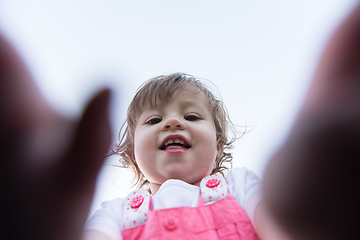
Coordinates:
176 139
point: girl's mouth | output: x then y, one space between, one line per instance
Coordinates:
175 142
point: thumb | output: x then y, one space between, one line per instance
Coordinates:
91 144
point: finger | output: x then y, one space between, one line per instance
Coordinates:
342 54
337 80
21 104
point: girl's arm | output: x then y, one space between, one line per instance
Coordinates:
312 185
93 235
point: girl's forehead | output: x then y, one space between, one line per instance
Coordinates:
189 96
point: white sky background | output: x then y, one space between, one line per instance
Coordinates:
261 54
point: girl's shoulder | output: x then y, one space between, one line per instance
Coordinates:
243 181
241 173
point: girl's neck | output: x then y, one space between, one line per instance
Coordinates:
154 187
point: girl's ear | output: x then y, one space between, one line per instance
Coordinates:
219 149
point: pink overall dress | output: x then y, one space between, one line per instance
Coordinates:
222 219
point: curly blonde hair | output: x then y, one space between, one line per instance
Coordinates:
161 88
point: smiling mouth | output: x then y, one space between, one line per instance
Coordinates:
175 144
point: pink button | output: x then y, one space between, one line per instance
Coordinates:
213 183
171 223
136 201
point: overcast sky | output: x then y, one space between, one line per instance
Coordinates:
261 55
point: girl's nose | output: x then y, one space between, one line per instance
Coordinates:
173 123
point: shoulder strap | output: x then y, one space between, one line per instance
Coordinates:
213 188
136 208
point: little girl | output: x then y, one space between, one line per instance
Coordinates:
176 141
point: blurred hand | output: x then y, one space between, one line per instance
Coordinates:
48 163
312 185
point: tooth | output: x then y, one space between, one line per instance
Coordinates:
181 142
177 140
169 142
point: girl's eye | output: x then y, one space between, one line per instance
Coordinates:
154 121
191 117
